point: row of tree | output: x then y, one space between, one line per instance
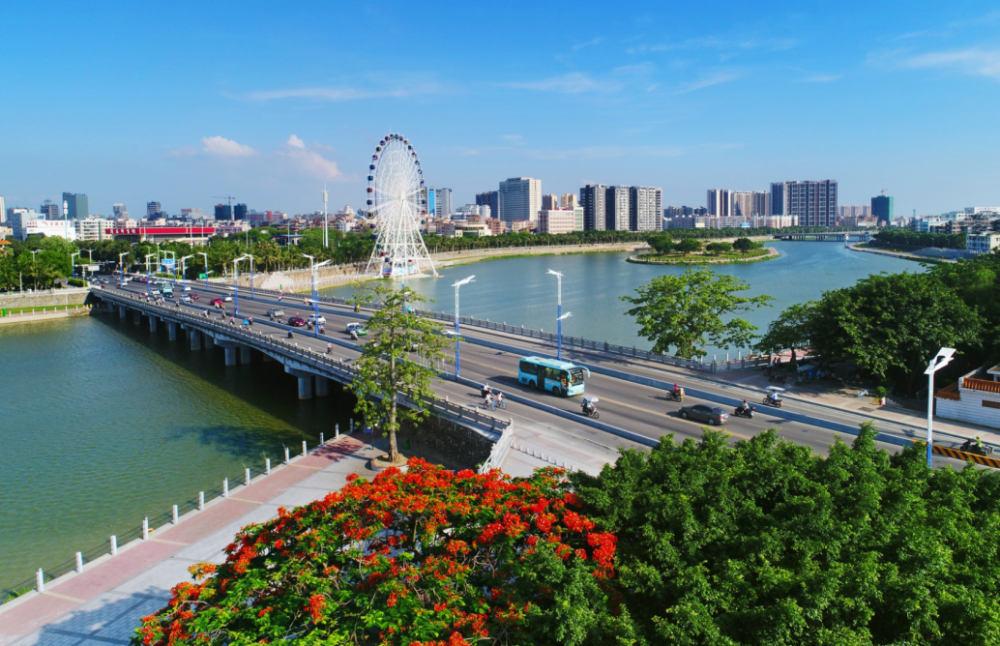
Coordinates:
917 239
665 243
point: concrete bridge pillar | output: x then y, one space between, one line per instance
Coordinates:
322 387
195 337
152 324
122 310
137 319
245 355
305 387
172 330
230 356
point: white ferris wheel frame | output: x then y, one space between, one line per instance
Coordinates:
395 186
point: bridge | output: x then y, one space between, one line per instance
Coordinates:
840 236
543 429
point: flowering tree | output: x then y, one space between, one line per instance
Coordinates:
427 557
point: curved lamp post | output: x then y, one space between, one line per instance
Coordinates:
458 339
940 360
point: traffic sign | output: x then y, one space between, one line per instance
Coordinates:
202 276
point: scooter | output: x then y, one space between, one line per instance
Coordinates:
676 395
747 412
969 446
587 408
770 399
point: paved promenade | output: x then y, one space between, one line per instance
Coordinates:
105 603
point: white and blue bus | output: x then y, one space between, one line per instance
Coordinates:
561 377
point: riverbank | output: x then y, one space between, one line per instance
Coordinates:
704 259
904 255
35 314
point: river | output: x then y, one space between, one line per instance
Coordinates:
103 423
518 291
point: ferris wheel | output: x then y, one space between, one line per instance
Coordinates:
395 199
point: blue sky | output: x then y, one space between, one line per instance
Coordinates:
179 102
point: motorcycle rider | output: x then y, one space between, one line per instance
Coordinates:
588 406
676 392
485 390
742 408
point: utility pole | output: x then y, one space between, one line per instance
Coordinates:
326 221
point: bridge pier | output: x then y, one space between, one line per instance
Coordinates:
152 324
245 355
195 337
230 356
137 319
322 387
122 311
305 387
172 330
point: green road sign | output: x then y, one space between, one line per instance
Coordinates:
202 276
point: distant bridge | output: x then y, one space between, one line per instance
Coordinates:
840 236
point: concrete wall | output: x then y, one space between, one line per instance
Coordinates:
448 439
970 408
45 299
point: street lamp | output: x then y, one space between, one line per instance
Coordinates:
559 314
236 286
173 255
72 264
148 256
207 272
250 256
315 295
121 263
464 281
940 360
183 272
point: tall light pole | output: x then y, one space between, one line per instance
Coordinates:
464 281
315 296
940 360
35 268
183 272
250 256
173 256
121 263
236 286
148 256
72 264
559 316
326 221
205 256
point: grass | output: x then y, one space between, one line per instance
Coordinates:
38 309
729 257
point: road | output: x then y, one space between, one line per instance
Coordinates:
637 408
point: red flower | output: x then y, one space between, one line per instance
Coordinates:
317 603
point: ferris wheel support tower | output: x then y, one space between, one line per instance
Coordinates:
395 187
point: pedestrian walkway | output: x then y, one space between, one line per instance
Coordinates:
105 604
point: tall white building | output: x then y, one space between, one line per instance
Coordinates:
814 204
3 211
719 202
520 198
18 219
442 202
645 208
619 208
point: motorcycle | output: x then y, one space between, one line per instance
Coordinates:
744 411
588 408
676 395
771 398
969 446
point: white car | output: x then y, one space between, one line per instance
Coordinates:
314 319
155 292
228 299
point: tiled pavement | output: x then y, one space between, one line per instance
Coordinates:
105 603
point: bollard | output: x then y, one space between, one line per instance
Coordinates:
225 487
286 455
304 450
247 481
173 515
321 440
145 528
40 580
201 501
352 426
114 545
79 563
336 430
267 466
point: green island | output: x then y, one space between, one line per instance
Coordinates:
689 251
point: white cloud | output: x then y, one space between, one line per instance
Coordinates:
310 161
295 142
222 147
716 79
823 78
973 61
573 83
589 43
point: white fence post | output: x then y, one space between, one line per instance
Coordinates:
114 545
79 563
40 580
174 515
201 501
145 528
267 466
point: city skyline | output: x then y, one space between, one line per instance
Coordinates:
206 104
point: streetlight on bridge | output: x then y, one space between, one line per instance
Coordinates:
72 263
458 339
207 272
236 286
559 314
940 360
148 256
121 263
315 295
183 272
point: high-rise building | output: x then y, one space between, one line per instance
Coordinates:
593 198
223 212
50 210
240 212
3 211
882 208
568 201
748 204
645 208
119 210
809 203
18 219
76 205
520 198
490 199
618 207
153 210
719 202
550 202
442 202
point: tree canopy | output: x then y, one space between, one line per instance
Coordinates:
688 311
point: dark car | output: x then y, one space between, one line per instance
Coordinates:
704 413
296 321
276 312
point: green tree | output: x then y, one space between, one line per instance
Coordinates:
688 245
687 312
766 544
662 244
890 326
790 331
397 359
743 245
718 248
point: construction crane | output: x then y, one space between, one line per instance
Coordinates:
226 197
